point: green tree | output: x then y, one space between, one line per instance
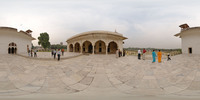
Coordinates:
44 40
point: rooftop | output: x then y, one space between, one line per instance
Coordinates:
98 32
28 32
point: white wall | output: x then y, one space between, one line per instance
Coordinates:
191 38
9 36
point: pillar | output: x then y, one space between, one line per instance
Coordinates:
73 48
93 49
81 48
106 49
68 48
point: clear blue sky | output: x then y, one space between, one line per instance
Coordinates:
146 23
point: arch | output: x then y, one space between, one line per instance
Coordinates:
77 47
100 47
9 50
112 47
70 48
12 48
87 47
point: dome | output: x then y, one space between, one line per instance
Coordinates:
98 32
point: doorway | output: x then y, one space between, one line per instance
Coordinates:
190 50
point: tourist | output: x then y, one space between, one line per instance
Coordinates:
35 53
124 53
31 53
120 53
117 53
143 54
63 51
168 57
139 54
58 54
159 56
54 53
154 56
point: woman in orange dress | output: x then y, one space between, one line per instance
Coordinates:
159 54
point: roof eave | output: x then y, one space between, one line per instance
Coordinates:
33 38
178 34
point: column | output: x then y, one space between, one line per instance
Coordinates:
73 48
93 49
106 50
81 48
67 48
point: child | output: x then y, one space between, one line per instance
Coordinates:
168 57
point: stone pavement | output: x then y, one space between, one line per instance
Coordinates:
100 76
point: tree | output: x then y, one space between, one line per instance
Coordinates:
44 40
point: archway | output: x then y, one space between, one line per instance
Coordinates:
100 47
77 47
112 47
70 48
12 48
87 47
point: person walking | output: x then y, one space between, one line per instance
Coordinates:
143 54
139 54
31 53
35 53
168 57
124 52
63 52
119 52
154 56
54 53
58 54
159 56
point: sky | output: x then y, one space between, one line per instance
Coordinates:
146 23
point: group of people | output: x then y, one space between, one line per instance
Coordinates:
30 53
159 55
120 53
54 52
143 54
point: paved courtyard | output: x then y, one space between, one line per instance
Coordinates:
97 77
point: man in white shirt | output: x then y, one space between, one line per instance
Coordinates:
139 54
59 53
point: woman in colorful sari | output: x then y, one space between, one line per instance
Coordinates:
154 56
159 56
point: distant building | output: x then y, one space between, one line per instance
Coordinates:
190 39
96 42
13 42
